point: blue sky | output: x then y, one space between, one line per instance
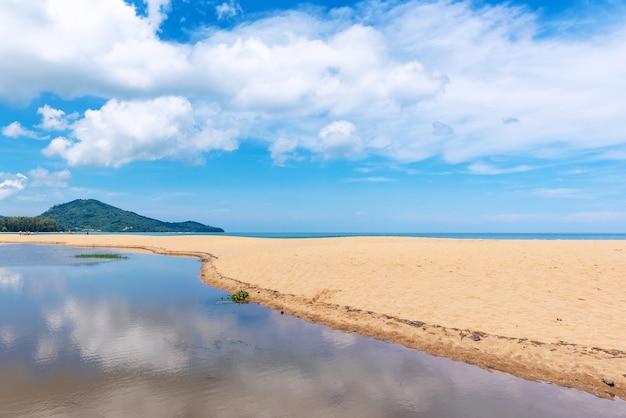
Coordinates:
376 116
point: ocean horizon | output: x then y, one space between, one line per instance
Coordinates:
451 235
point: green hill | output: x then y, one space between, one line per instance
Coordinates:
90 214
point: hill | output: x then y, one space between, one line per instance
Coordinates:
90 214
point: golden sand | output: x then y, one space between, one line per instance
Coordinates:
542 310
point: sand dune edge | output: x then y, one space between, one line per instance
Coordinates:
599 369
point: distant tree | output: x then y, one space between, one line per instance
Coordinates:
26 223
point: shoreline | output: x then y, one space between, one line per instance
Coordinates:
541 310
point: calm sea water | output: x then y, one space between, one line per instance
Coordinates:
460 235
142 336
473 235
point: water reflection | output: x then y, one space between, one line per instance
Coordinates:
10 280
143 336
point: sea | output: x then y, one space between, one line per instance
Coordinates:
142 335
451 235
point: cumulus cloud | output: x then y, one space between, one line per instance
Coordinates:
339 139
11 184
416 80
16 130
124 131
283 149
52 119
56 44
350 71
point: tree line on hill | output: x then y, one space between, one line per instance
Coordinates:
28 224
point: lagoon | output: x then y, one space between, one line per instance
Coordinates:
143 335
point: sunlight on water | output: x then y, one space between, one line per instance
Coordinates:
143 336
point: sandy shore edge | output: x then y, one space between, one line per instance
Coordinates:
593 364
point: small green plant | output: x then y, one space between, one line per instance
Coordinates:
239 297
116 256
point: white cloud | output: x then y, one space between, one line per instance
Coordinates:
350 71
40 177
157 12
283 149
339 139
11 184
16 130
228 10
125 131
52 119
416 79
56 44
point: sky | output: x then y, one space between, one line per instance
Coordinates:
329 116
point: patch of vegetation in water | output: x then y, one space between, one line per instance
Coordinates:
106 256
239 297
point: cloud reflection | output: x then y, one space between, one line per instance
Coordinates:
7 336
47 350
10 280
109 333
326 369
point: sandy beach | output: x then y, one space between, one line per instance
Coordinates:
553 311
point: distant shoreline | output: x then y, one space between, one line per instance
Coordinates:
550 310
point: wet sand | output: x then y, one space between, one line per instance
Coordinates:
542 310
